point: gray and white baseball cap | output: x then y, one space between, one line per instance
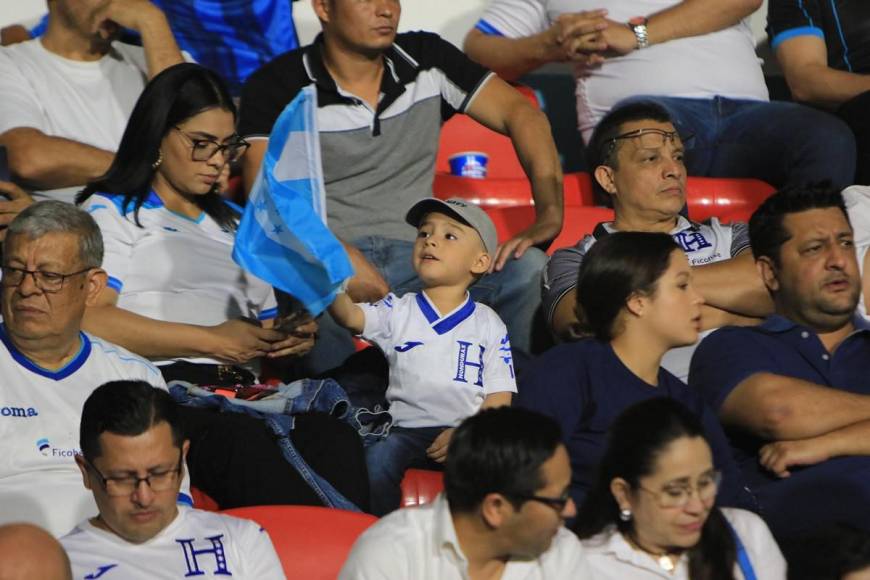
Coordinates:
461 210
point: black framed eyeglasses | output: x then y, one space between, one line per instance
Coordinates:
126 485
648 139
45 280
557 503
205 149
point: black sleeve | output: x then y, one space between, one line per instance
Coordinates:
460 77
268 91
789 18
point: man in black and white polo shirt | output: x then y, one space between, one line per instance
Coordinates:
637 157
382 98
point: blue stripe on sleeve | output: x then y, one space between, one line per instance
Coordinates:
268 314
487 28
115 284
795 32
842 36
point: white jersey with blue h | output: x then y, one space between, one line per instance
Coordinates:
197 544
441 366
40 411
175 268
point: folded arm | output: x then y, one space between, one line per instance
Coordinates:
804 61
39 161
777 407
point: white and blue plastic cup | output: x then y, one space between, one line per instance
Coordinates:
469 164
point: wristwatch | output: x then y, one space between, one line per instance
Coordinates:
638 25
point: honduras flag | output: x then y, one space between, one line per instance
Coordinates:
282 237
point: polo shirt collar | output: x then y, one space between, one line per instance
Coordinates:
444 324
399 69
776 323
683 224
443 532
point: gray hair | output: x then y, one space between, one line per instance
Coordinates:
52 216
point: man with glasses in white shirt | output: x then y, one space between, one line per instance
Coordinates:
506 498
132 460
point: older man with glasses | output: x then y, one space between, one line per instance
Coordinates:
132 460
51 272
636 156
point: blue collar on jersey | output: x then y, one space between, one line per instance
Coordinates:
66 370
448 323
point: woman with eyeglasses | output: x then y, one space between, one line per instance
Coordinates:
636 291
651 511
175 295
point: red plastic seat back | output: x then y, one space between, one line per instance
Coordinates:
421 486
726 198
312 542
462 133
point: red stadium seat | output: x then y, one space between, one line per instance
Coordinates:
202 501
312 542
578 221
726 198
505 192
421 486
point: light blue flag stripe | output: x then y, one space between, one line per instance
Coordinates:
282 236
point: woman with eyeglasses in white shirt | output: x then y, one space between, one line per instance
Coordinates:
651 512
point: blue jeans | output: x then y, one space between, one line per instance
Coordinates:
514 293
781 143
388 459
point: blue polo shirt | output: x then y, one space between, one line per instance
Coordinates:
837 490
584 386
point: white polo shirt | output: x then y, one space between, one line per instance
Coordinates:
441 366
857 200
40 411
421 543
612 558
174 268
196 544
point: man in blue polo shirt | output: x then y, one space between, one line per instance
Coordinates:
793 393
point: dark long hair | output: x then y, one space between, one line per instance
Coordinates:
617 266
637 439
176 94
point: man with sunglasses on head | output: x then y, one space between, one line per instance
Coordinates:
636 156
132 460
501 515
50 274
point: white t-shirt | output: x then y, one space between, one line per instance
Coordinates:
40 412
719 63
196 544
88 102
174 268
441 366
421 543
857 200
612 557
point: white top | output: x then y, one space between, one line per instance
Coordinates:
421 543
441 366
88 102
40 412
857 200
612 557
196 543
175 268
719 63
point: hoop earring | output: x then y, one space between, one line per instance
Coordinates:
625 515
157 163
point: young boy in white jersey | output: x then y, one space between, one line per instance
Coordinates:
449 356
